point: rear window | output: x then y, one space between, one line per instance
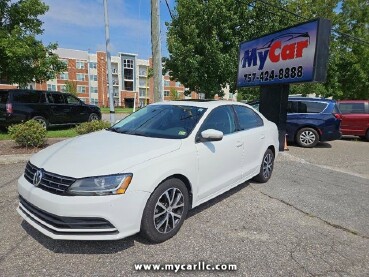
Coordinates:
28 97
3 97
352 108
305 107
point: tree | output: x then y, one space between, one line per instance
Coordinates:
23 58
203 39
352 57
71 87
174 94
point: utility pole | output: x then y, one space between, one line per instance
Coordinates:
108 59
156 51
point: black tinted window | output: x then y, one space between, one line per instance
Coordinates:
3 97
26 96
72 100
247 118
220 119
305 107
55 98
352 108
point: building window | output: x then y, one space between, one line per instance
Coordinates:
114 70
64 76
128 86
166 93
93 65
128 74
178 84
64 61
80 65
142 92
93 77
63 88
51 87
93 89
128 63
143 82
94 101
142 71
81 89
80 77
166 83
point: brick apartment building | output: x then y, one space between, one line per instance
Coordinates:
88 73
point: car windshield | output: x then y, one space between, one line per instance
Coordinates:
161 121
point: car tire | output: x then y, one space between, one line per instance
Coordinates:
366 137
93 117
165 211
266 167
307 137
42 121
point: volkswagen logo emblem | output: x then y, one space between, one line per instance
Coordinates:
37 178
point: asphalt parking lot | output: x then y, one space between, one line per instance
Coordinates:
310 219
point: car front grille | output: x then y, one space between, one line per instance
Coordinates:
50 182
66 225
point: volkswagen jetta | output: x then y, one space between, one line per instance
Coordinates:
144 173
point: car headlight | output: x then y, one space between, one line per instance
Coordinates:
101 185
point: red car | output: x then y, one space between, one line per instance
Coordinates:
355 118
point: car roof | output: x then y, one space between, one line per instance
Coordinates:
352 101
311 99
201 103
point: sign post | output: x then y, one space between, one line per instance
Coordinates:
293 55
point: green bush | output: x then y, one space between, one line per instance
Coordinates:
92 126
28 134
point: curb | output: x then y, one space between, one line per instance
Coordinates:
12 159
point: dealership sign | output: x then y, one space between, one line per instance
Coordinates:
296 54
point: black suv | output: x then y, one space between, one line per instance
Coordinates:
47 107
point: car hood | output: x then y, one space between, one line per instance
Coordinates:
101 153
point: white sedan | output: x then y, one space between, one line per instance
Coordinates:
144 173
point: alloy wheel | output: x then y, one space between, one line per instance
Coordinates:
168 210
267 165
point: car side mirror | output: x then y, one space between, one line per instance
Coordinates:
211 135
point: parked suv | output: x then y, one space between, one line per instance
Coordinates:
355 117
47 107
310 120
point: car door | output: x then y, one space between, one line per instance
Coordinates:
219 162
354 119
251 129
77 111
58 108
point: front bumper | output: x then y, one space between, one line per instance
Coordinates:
81 217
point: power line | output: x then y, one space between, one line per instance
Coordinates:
170 12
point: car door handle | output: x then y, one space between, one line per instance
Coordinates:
239 143
262 137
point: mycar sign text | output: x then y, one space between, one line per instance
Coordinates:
296 54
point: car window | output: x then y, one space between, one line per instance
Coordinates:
305 107
346 108
221 119
72 100
247 118
56 98
3 97
29 97
161 121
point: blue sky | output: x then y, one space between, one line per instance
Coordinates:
79 24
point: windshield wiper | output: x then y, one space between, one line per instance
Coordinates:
111 129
